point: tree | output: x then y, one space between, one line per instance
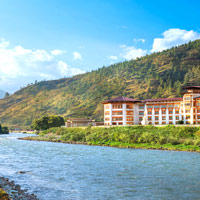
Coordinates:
47 122
6 95
4 130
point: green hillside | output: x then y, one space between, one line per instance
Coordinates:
157 75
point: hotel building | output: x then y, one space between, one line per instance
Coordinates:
127 111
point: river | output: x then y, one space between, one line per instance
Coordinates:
56 171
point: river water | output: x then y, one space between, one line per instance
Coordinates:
56 171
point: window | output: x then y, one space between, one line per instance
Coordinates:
117 119
117 106
156 106
140 118
129 123
141 106
188 117
117 113
187 104
129 112
170 117
170 111
198 116
187 111
149 118
163 118
177 111
198 104
156 118
198 111
163 122
156 123
170 106
141 112
187 98
163 106
149 113
163 111
156 112
107 113
177 117
128 106
149 106
170 122
129 119
107 107
120 123
176 105
107 119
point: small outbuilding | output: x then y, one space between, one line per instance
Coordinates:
79 122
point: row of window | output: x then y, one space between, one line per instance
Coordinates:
163 118
171 117
163 112
119 119
119 106
119 113
163 106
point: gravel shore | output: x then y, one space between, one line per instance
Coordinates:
14 191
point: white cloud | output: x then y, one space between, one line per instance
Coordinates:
57 52
77 56
132 52
20 66
139 40
174 37
113 57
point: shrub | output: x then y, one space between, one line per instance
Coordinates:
188 142
197 134
197 143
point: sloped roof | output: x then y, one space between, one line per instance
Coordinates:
192 87
164 99
121 99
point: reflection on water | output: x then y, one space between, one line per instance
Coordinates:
65 171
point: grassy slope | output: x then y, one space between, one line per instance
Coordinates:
157 75
147 137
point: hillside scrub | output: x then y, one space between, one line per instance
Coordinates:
158 75
167 137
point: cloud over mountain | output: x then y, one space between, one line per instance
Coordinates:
174 37
20 66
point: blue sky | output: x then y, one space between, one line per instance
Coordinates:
51 39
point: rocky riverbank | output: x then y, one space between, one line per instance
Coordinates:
11 191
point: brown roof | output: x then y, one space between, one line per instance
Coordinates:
192 87
121 99
164 99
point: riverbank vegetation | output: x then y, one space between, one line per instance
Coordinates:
4 130
149 137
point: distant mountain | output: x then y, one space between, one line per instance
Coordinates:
2 94
161 74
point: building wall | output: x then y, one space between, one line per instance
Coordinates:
157 113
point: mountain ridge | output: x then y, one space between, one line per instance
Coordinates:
2 94
157 75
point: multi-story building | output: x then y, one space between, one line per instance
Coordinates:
127 111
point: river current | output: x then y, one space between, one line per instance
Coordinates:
56 171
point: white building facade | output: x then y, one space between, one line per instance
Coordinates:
127 111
